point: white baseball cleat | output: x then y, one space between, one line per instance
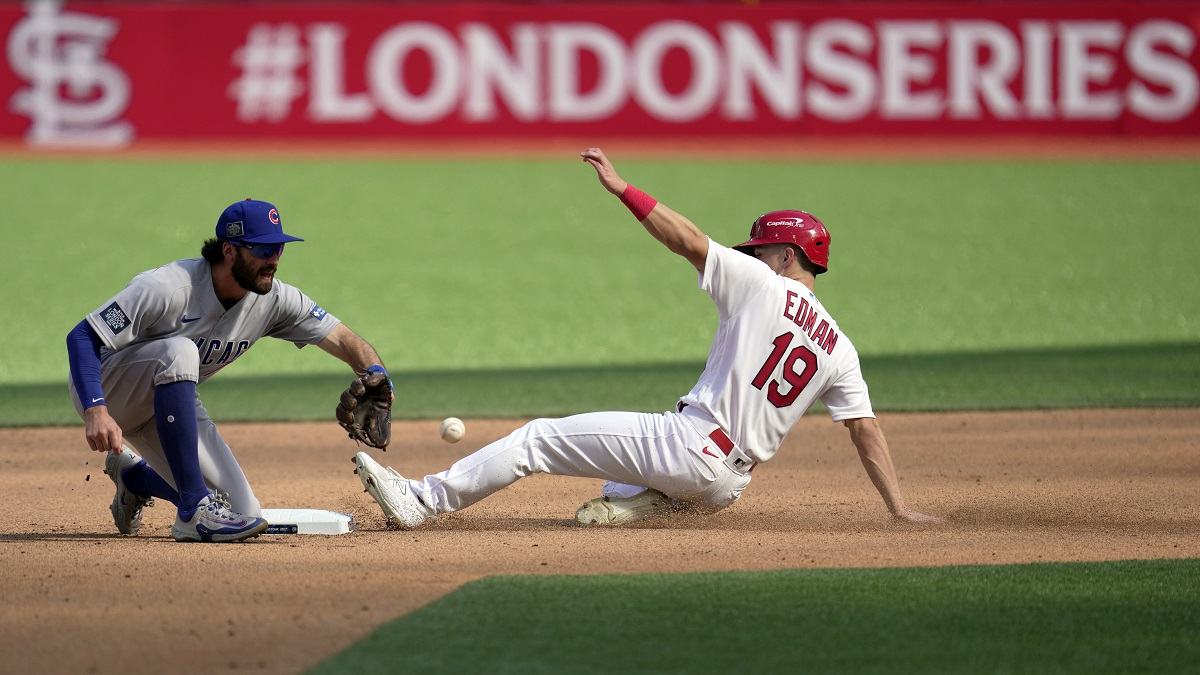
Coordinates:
215 521
390 490
622 510
126 507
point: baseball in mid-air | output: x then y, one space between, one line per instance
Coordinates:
452 429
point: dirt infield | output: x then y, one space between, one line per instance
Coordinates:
1067 485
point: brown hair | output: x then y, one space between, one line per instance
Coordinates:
212 251
806 264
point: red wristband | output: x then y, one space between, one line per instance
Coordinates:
638 202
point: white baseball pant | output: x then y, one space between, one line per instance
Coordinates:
666 452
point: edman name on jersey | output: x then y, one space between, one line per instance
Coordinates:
805 316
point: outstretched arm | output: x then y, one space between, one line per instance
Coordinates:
877 460
347 346
674 230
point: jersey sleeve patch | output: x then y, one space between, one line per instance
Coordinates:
115 318
317 312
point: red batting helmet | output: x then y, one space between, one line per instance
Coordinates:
791 227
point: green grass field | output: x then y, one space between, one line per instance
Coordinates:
1149 375
1049 283
1119 617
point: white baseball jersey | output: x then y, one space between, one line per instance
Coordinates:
178 300
776 351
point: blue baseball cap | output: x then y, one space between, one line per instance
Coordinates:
251 221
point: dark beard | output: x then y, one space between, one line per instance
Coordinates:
247 278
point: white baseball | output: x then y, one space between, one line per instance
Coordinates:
452 430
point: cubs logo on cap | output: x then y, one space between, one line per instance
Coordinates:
252 221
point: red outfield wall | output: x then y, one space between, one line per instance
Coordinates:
106 73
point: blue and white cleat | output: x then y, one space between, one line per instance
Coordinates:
126 507
390 490
215 521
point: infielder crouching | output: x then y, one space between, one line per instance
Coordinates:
136 361
776 351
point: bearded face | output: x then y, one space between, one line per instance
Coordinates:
253 274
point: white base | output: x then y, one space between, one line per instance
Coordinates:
306 521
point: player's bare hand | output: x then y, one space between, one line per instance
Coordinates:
910 516
101 430
604 170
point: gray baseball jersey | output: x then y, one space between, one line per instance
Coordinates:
178 300
146 330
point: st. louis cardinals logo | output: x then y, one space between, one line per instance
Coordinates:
75 96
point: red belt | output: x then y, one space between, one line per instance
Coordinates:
721 439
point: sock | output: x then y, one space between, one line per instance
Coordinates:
141 480
175 420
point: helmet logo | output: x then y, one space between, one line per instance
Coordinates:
786 222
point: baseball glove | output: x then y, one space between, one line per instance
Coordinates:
365 411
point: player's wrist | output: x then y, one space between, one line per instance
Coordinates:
96 410
639 203
378 368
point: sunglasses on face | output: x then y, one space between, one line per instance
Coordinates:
262 251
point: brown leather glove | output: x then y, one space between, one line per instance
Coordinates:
365 411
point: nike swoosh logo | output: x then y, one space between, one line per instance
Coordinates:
95 400
188 319
710 454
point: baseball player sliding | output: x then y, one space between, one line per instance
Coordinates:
136 361
776 351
